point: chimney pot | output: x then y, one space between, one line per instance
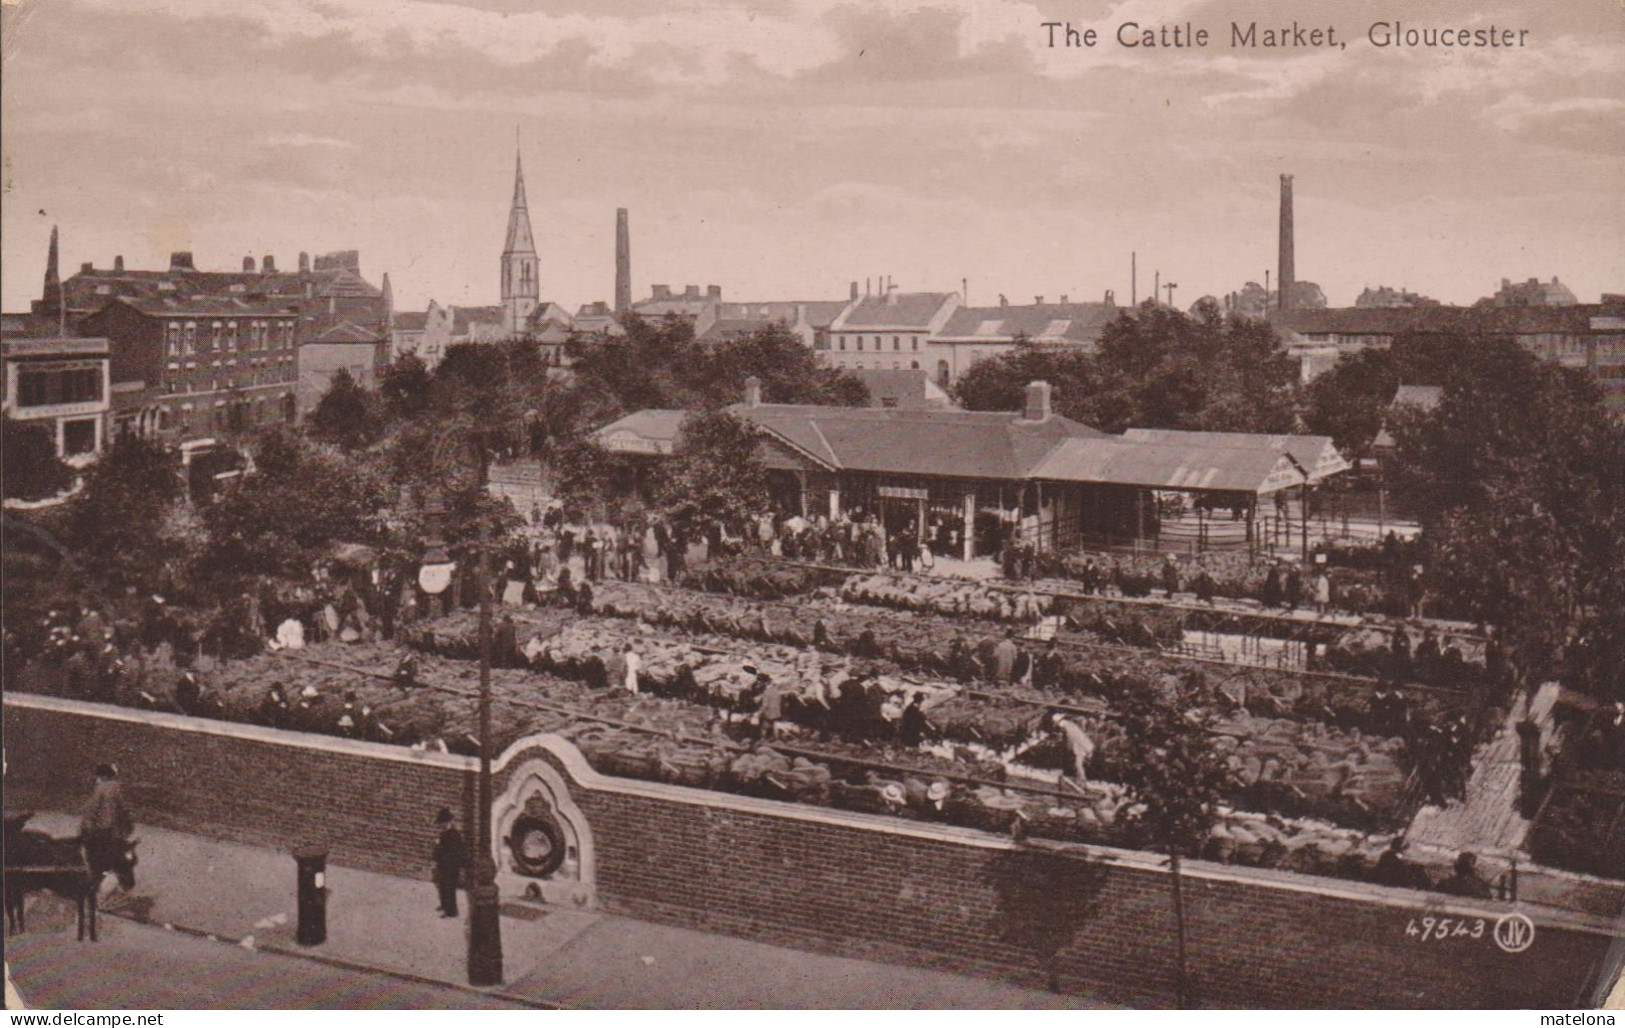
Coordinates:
753 391
268 264
1003 301
118 263
1037 407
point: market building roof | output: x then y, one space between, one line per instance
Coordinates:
1173 466
1314 453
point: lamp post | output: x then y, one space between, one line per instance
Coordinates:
484 914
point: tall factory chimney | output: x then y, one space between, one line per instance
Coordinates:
1286 276
623 263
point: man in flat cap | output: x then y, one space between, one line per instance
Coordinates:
450 857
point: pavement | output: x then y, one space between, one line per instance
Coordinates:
212 924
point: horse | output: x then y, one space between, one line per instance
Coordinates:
66 867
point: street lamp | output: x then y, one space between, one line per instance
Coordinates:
484 913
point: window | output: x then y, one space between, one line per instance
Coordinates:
172 333
189 338
78 436
896 343
916 342
860 342
914 365
942 374
48 388
843 342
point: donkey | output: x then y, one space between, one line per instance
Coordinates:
38 861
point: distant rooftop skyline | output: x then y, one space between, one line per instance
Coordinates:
784 148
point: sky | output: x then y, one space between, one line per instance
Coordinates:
783 148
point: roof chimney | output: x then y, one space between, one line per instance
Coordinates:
248 265
304 263
1287 275
181 260
661 292
1038 301
118 263
753 391
1063 298
268 265
854 289
691 292
1037 405
86 267
891 296
1003 301
714 293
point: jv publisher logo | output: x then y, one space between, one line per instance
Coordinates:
1514 932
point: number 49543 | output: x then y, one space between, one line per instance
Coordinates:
1427 929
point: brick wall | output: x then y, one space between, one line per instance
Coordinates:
825 880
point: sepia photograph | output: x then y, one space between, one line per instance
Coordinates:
813 505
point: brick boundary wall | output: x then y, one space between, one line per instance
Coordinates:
826 880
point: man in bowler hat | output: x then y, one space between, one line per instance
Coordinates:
450 857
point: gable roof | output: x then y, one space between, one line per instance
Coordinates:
1425 397
948 443
411 321
1314 453
1077 323
1158 465
900 310
905 387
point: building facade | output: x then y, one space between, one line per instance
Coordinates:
893 330
188 369
64 384
974 334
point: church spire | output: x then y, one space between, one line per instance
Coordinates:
51 297
520 286
519 237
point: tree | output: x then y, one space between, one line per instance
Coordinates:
1350 402
344 416
1155 367
301 500
1518 478
117 523
1177 779
1000 383
590 478
789 372
28 462
405 388
715 472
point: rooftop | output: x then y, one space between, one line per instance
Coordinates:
1079 323
897 310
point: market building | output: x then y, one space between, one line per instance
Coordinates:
990 475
